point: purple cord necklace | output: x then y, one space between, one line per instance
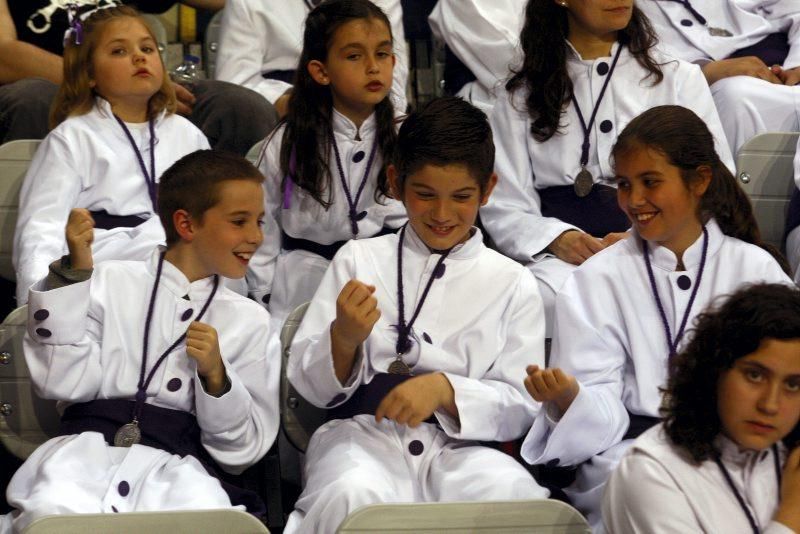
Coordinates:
353 212
149 178
403 345
129 433
673 345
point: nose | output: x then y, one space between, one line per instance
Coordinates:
256 235
372 65
137 56
440 211
769 398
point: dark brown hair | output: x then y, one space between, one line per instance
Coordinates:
192 184
721 336
544 68
686 142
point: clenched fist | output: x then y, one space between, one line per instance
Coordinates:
80 235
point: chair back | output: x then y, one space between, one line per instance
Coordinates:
15 158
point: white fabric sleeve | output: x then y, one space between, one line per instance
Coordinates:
497 407
49 191
785 16
239 427
513 216
242 49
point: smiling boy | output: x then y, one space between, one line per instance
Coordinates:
414 340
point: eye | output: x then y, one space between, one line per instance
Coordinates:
147 49
384 54
753 375
238 222
793 386
424 195
118 51
353 57
260 222
622 184
463 197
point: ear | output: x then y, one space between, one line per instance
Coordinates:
391 176
92 83
318 72
703 180
489 188
184 225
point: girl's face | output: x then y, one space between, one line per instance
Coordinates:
597 17
441 202
654 196
758 399
127 67
358 68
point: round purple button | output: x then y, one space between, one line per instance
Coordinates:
187 314
416 447
124 488
174 384
41 315
44 332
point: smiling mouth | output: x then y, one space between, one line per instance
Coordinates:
441 230
644 217
244 257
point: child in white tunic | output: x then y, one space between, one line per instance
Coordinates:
115 133
434 302
260 46
151 417
749 51
587 72
718 462
625 310
324 166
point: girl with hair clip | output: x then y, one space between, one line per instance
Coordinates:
114 133
589 68
623 313
725 459
324 165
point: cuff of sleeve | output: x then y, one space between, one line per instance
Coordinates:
328 389
470 402
58 316
62 274
218 414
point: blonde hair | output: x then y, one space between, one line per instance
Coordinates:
75 95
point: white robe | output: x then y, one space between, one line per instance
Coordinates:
480 335
748 106
513 216
485 37
609 335
657 487
292 277
90 347
88 162
259 37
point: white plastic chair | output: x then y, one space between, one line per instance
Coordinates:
26 421
255 152
183 522
766 172
159 31
545 516
211 43
15 158
299 417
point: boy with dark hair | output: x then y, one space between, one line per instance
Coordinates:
415 341
151 416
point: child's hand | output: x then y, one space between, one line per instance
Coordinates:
415 400
613 237
80 234
551 385
788 512
575 247
202 345
356 313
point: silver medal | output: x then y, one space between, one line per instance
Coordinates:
399 367
128 435
583 183
719 32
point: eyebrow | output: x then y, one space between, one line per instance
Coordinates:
425 186
361 46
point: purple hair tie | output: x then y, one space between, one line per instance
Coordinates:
75 30
289 185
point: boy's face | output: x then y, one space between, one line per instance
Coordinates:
229 232
441 202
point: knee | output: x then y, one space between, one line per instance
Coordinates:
741 89
31 95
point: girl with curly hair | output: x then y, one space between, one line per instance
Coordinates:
590 66
722 460
622 314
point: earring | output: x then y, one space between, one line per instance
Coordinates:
563 4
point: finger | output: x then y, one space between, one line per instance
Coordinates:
380 412
560 376
531 369
593 244
373 316
549 380
404 415
539 384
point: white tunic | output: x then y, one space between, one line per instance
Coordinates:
259 37
659 488
89 346
88 162
748 106
291 277
485 37
480 335
609 335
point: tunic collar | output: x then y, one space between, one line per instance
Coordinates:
732 454
574 55
665 259
469 249
176 282
346 128
104 109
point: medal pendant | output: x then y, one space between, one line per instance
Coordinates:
719 32
583 183
399 367
128 435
